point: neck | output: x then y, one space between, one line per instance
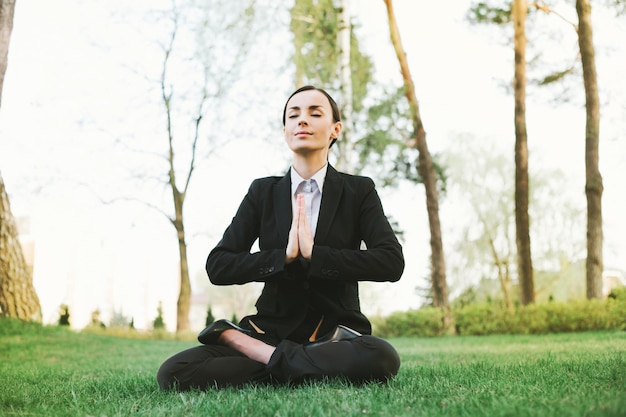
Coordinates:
307 165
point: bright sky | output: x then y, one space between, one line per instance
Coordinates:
72 84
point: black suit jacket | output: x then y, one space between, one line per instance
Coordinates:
299 296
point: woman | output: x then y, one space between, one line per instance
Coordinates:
310 225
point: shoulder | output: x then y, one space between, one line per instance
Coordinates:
359 182
356 179
265 185
266 181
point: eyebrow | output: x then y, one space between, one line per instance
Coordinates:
314 107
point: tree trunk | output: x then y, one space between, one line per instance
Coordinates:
345 143
429 177
18 298
593 186
522 222
7 10
183 305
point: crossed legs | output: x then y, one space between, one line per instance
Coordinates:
242 359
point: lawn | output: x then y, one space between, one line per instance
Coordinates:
52 371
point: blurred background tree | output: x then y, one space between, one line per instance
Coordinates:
18 298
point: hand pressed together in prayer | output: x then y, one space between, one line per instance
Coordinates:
300 235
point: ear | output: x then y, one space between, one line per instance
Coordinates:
336 130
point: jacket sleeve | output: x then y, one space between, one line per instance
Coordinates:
231 262
380 260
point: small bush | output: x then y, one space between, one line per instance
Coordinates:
158 323
64 315
209 317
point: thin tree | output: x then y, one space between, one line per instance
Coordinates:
428 174
212 66
327 54
18 298
344 36
593 186
179 194
519 12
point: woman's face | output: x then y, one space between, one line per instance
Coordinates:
309 125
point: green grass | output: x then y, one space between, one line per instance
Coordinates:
51 371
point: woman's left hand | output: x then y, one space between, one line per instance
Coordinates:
305 235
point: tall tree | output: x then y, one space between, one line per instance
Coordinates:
203 58
344 36
428 174
519 12
7 10
179 193
18 298
323 57
593 187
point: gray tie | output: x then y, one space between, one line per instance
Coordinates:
308 188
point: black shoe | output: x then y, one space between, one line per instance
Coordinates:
213 331
341 332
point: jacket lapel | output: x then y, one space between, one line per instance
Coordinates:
333 188
282 205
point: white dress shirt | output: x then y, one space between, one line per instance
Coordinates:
313 198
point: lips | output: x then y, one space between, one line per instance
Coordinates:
302 133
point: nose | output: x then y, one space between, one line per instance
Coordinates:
302 120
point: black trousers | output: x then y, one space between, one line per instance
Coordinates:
362 359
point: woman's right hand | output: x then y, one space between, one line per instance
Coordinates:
293 249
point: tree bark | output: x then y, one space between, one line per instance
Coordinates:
429 177
18 298
7 10
593 186
522 221
183 304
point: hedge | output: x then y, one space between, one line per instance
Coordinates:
489 318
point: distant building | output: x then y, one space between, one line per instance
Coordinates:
612 278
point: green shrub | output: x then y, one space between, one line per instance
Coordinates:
426 322
480 319
618 293
577 316
616 311
531 319
158 323
490 318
